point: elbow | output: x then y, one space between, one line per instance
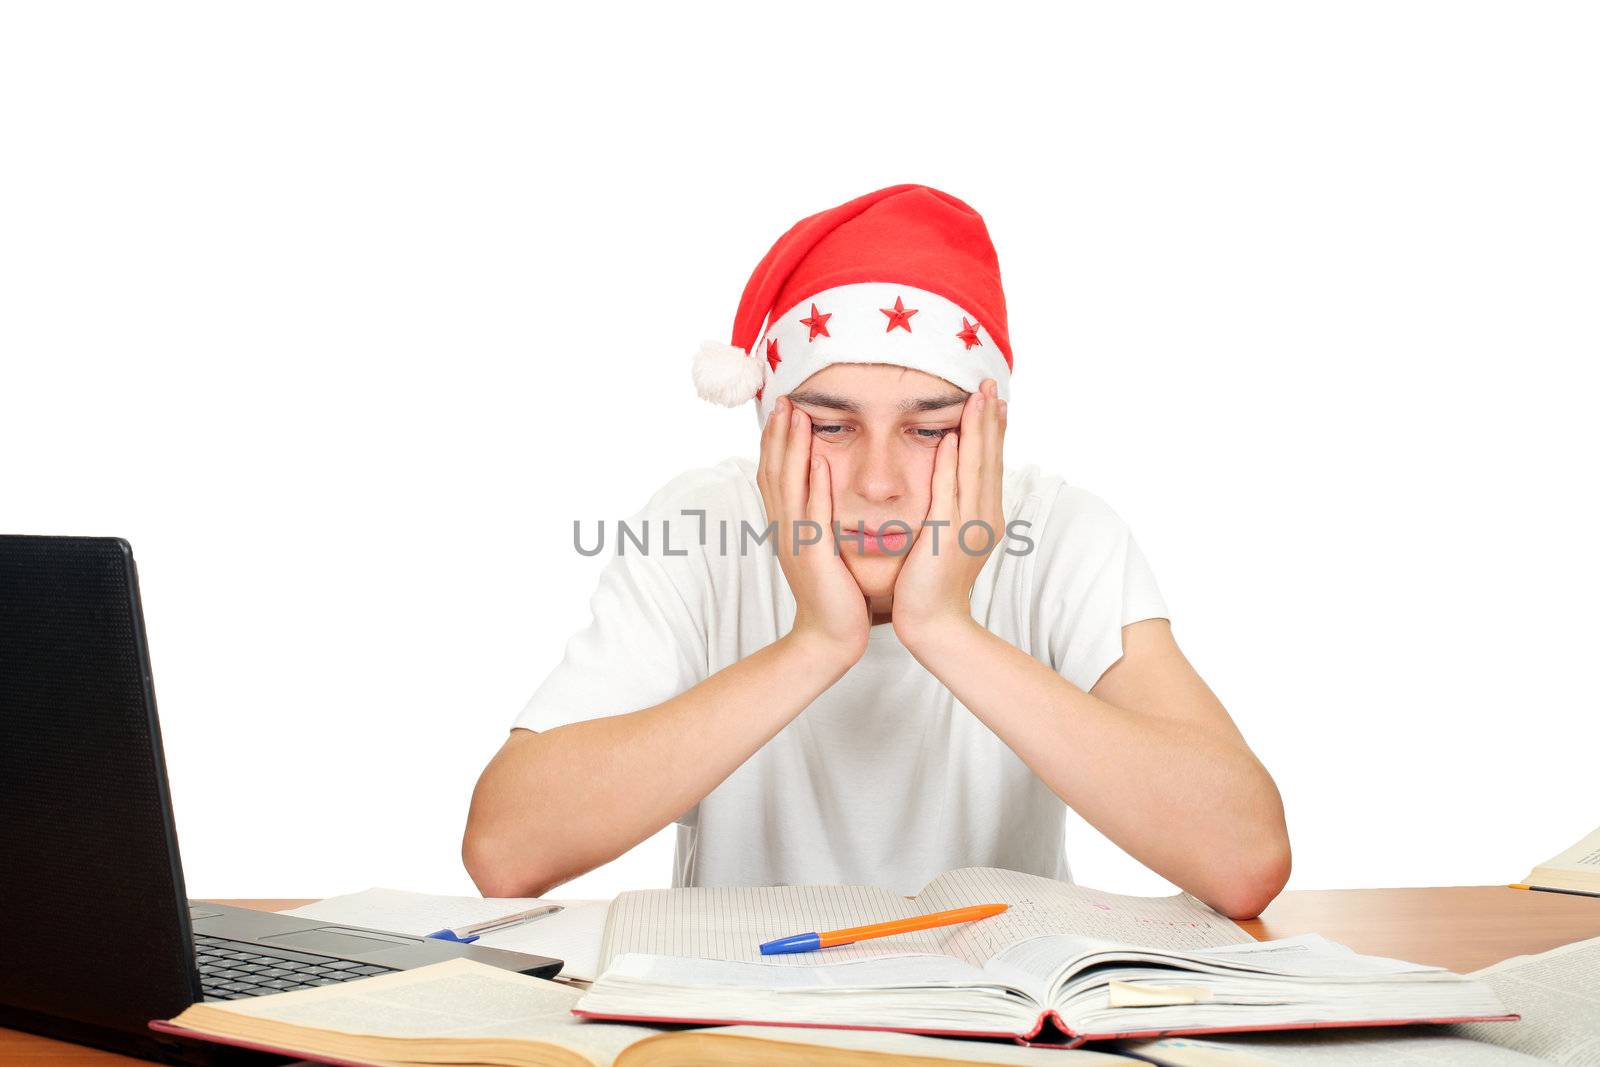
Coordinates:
1254 881
497 872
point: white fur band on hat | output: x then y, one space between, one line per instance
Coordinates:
864 322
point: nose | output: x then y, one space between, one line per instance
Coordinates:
880 477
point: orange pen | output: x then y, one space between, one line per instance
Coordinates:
832 938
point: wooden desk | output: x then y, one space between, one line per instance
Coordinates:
1461 927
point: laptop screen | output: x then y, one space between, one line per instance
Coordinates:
93 918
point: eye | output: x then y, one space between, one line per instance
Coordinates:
827 428
935 434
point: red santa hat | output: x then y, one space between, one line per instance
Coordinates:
904 275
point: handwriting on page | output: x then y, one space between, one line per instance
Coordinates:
1041 906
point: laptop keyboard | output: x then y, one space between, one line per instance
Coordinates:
232 970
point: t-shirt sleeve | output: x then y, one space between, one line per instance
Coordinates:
1091 579
645 642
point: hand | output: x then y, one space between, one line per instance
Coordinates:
934 587
829 605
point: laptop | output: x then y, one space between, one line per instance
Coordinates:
97 937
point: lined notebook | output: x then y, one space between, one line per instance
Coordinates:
731 923
1064 965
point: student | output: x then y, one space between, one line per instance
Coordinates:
878 708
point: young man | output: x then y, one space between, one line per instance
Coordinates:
878 706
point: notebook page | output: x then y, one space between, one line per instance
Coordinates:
730 923
1041 906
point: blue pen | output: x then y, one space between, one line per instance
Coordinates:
466 935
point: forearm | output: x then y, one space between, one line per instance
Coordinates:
562 802
1191 803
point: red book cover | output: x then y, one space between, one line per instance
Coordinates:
1050 1026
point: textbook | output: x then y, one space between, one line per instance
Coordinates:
1556 993
463 1012
1577 870
1063 965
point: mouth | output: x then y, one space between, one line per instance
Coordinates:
874 541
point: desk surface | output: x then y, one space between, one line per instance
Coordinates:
1460 927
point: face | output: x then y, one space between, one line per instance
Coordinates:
878 426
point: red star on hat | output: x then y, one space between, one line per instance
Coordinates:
773 359
968 332
898 316
818 323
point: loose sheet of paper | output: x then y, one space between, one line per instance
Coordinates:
571 935
418 914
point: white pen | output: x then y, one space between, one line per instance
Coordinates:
471 931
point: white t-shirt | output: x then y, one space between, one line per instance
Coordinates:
884 779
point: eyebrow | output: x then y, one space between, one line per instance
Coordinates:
834 402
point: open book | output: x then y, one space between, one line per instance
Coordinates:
1064 965
462 1012
1556 993
1577 870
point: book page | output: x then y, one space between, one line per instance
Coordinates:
457 998
1044 906
730 923
899 992
1056 960
1390 1046
1557 993
1581 862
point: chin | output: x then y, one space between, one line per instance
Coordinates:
875 574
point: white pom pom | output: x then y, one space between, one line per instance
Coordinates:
725 375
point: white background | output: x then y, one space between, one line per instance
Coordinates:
343 313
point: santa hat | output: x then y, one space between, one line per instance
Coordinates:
904 275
